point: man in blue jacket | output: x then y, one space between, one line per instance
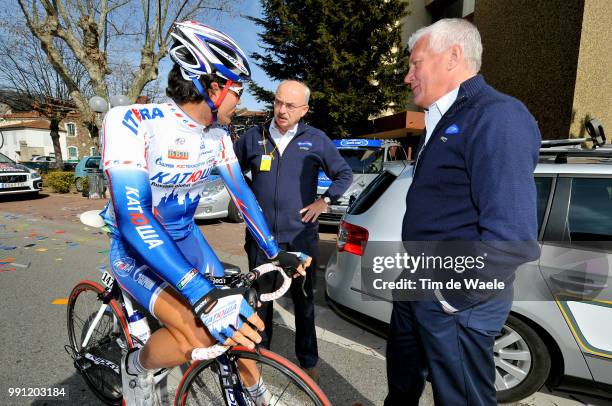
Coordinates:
473 182
284 159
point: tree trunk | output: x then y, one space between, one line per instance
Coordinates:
55 137
94 132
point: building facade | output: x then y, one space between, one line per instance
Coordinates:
554 56
27 135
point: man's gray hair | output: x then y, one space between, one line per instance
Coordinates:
306 88
450 31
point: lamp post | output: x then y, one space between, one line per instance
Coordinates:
100 106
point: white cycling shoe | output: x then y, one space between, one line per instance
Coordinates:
138 390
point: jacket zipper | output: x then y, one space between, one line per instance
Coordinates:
278 167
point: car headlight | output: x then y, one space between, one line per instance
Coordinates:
212 188
34 175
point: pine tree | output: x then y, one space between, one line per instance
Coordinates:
348 52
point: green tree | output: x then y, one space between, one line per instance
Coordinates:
348 52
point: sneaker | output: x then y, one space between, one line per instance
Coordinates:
138 390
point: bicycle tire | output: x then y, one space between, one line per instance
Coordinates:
83 304
306 391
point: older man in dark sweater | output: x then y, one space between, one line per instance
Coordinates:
473 182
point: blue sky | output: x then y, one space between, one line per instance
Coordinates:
244 32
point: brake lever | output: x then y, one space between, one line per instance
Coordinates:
251 297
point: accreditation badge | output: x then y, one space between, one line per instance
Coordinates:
266 163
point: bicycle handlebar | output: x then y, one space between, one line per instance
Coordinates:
200 354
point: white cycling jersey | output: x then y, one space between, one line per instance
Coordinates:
157 160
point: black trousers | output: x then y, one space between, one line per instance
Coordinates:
454 352
301 293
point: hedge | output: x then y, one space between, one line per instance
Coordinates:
60 181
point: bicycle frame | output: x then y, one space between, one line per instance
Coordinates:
114 291
233 391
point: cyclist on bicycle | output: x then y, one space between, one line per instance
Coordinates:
157 158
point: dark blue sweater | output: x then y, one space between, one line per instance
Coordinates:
474 179
291 183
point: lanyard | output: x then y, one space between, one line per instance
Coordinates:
263 140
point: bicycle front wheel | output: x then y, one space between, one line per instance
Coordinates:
98 360
288 383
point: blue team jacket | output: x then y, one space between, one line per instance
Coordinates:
474 178
291 183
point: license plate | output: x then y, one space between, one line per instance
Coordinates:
108 279
9 185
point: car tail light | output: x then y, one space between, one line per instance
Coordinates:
352 238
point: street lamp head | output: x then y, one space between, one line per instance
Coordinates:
98 104
119 100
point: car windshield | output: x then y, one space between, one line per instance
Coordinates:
5 160
363 160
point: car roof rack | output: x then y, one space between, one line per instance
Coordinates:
596 135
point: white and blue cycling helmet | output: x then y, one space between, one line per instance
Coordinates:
202 50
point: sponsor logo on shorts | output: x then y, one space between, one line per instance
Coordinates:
123 266
143 280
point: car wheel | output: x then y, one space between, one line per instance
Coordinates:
233 214
79 184
522 361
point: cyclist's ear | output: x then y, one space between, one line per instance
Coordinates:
214 90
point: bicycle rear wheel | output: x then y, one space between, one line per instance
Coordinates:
99 362
289 384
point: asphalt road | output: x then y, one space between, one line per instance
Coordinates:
45 251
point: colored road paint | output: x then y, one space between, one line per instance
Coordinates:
6 260
60 301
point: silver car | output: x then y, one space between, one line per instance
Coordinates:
16 178
215 201
553 338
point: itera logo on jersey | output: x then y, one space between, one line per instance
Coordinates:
133 117
146 232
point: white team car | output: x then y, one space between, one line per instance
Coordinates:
16 178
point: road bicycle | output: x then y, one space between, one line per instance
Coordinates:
100 334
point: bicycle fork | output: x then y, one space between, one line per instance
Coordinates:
229 378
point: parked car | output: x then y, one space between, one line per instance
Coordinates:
215 201
366 158
17 178
554 338
43 158
44 163
80 171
